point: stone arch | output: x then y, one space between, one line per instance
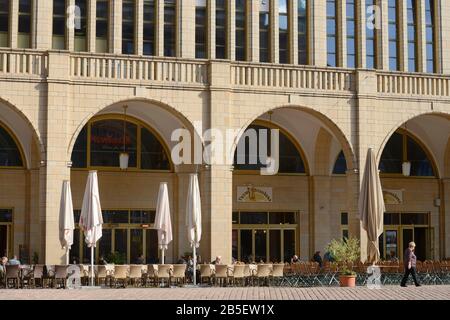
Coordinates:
35 133
327 122
322 153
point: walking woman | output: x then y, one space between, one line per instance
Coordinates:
410 260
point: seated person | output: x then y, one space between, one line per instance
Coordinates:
217 261
14 261
295 259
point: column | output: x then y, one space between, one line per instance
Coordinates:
43 29
139 27
403 35
274 32
361 34
318 32
115 27
321 209
421 37
55 169
70 39
444 222
341 33
442 35
231 29
159 28
186 33
383 39
211 5
92 25
293 34
253 30
13 33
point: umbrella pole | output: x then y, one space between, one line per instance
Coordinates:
195 266
162 256
67 256
92 266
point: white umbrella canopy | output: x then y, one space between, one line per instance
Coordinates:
371 206
66 221
194 218
162 220
91 219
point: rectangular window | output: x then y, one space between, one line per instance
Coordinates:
241 30
24 35
4 23
128 26
170 22
344 225
221 29
6 216
264 31
59 25
393 35
412 35
302 32
430 17
201 30
371 37
149 27
81 26
332 40
351 34
102 26
283 19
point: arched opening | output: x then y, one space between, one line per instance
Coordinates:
340 165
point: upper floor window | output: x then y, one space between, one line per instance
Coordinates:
128 26
149 27
81 28
241 30
283 21
100 143
351 34
170 22
401 148
393 35
340 166
201 30
24 35
290 158
302 31
264 31
4 23
332 40
102 26
430 23
59 24
412 35
221 29
10 155
371 37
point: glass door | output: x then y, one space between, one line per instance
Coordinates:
4 243
407 237
391 241
260 244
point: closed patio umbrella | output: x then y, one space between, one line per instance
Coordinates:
194 218
371 206
91 219
66 221
162 219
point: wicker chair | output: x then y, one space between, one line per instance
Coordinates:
150 276
163 274
102 276
263 273
136 275
60 277
12 275
120 276
179 274
277 274
221 275
205 273
38 274
238 274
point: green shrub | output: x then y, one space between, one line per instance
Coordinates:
345 251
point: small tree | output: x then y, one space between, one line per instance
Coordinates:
345 251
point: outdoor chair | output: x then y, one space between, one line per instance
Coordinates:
60 277
102 276
120 276
136 275
263 273
26 277
38 276
179 274
150 276
205 273
12 276
163 274
277 274
238 275
221 275
248 276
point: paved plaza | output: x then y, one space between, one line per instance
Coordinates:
253 293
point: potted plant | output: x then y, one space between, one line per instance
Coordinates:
345 251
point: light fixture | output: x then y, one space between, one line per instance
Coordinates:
406 165
124 156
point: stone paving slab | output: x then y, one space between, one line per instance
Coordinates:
261 293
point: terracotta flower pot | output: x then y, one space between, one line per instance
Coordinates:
347 281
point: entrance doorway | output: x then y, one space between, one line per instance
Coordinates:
6 219
264 236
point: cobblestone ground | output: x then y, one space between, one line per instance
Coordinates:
262 293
